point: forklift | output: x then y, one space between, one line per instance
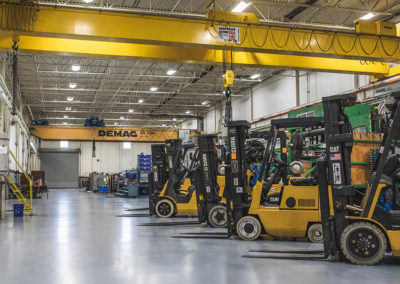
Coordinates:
177 195
281 209
361 234
162 156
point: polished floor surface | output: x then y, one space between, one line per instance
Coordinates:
76 238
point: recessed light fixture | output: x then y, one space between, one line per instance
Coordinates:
140 101
66 116
87 1
255 76
64 123
130 110
75 67
68 108
163 125
204 103
171 72
122 117
241 6
72 85
153 89
70 99
188 112
367 16
174 119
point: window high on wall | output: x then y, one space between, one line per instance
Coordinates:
126 145
63 144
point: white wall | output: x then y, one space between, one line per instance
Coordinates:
278 94
110 156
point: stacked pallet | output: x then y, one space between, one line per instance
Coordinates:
364 143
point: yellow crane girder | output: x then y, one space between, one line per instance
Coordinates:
114 34
103 134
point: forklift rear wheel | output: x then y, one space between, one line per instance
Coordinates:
314 233
248 228
363 243
218 216
165 208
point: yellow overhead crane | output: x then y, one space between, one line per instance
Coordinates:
84 32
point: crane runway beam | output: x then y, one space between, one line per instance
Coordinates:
74 31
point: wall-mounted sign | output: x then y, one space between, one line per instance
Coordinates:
102 134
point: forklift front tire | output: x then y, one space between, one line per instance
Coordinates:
218 216
314 233
248 228
165 208
363 243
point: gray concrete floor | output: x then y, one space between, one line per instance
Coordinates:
75 238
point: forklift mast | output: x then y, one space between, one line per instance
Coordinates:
208 163
159 174
235 174
334 170
172 146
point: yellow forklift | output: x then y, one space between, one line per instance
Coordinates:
282 206
364 233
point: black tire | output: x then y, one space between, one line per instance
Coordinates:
314 233
248 228
165 208
218 216
363 243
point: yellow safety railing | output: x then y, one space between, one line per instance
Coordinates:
17 192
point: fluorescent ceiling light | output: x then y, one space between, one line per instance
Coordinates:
72 85
171 72
64 123
188 112
70 99
122 117
367 16
140 101
115 123
204 103
240 7
130 110
87 1
153 89
68 108
66 116
76 67
163 125
174 119
255 76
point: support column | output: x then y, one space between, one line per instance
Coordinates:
251 104
297 88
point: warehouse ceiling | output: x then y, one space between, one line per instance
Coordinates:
144 93
327 12
123 92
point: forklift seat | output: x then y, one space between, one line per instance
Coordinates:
185 197
304 182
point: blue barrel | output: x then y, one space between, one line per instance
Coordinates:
18 210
